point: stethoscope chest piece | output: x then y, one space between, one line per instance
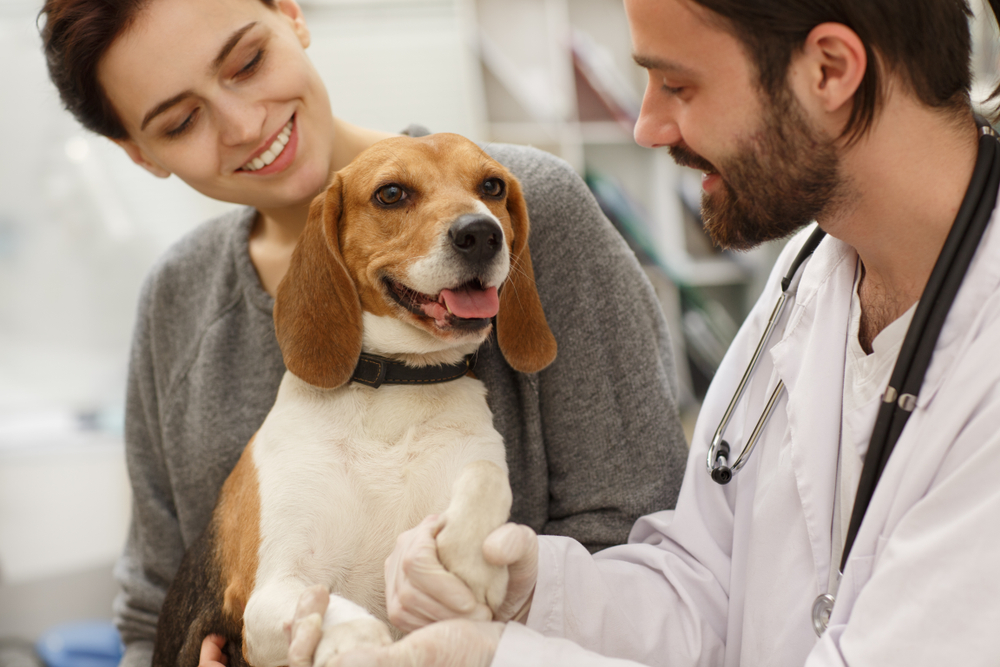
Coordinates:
822 608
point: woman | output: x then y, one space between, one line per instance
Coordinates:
221 94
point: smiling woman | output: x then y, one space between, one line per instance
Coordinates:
222 94
209 112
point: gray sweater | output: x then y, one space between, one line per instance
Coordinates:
593 441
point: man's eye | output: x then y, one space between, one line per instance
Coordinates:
673 90
493 187
390 194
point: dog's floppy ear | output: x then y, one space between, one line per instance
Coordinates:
522 332
317 312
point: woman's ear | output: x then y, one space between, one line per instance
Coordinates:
828 70
139 157
523 334
293 12
317 313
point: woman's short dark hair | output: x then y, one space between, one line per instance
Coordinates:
925 42
75 35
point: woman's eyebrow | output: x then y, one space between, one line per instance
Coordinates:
163 106
226 49
230 45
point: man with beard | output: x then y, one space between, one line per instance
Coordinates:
854 114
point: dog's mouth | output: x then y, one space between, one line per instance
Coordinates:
469 306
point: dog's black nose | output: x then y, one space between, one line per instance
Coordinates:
476 237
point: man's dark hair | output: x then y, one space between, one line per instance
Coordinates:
75 35
926 43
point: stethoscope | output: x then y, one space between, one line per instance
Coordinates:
900 397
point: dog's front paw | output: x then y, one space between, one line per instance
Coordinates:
461 552
349 635
480 503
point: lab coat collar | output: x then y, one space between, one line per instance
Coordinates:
810 360
978 289
981 282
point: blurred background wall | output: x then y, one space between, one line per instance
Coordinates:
80 226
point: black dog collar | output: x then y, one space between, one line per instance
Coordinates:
376 371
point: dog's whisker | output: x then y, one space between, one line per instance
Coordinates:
515 268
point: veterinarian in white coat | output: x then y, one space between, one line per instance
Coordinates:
735 575
712 588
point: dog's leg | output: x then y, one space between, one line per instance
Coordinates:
268 617
480 503
269 608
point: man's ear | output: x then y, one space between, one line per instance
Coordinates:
134 152
293 12
829 69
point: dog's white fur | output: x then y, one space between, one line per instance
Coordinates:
430 272
342 472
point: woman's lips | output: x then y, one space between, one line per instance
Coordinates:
278 155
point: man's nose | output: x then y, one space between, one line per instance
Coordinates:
657 125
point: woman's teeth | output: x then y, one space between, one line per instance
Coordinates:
272 152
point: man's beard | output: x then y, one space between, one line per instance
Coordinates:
782 177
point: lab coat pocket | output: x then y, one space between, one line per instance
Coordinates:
858 575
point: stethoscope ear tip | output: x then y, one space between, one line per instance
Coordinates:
722 474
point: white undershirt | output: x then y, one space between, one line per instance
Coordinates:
865 378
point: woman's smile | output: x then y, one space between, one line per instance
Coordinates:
275 154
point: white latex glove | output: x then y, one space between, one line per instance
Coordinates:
515 546
419 591
455 643
306 629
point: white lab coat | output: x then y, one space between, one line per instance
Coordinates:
730 576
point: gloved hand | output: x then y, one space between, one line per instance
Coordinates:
455 643
419 591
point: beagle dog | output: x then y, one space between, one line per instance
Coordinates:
415 251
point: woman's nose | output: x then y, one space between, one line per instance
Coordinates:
241 122
657 125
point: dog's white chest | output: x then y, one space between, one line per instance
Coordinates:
342 472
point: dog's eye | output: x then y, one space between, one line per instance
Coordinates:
390 194
493 187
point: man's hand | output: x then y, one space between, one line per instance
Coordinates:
455 643
211 652
515 546
306 629
419 591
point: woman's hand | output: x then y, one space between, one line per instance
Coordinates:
419 590
211 652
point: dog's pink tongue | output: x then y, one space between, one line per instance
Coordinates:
469 303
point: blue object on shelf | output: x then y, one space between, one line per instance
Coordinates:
81 644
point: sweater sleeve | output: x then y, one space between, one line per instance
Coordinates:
614 446
154 545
